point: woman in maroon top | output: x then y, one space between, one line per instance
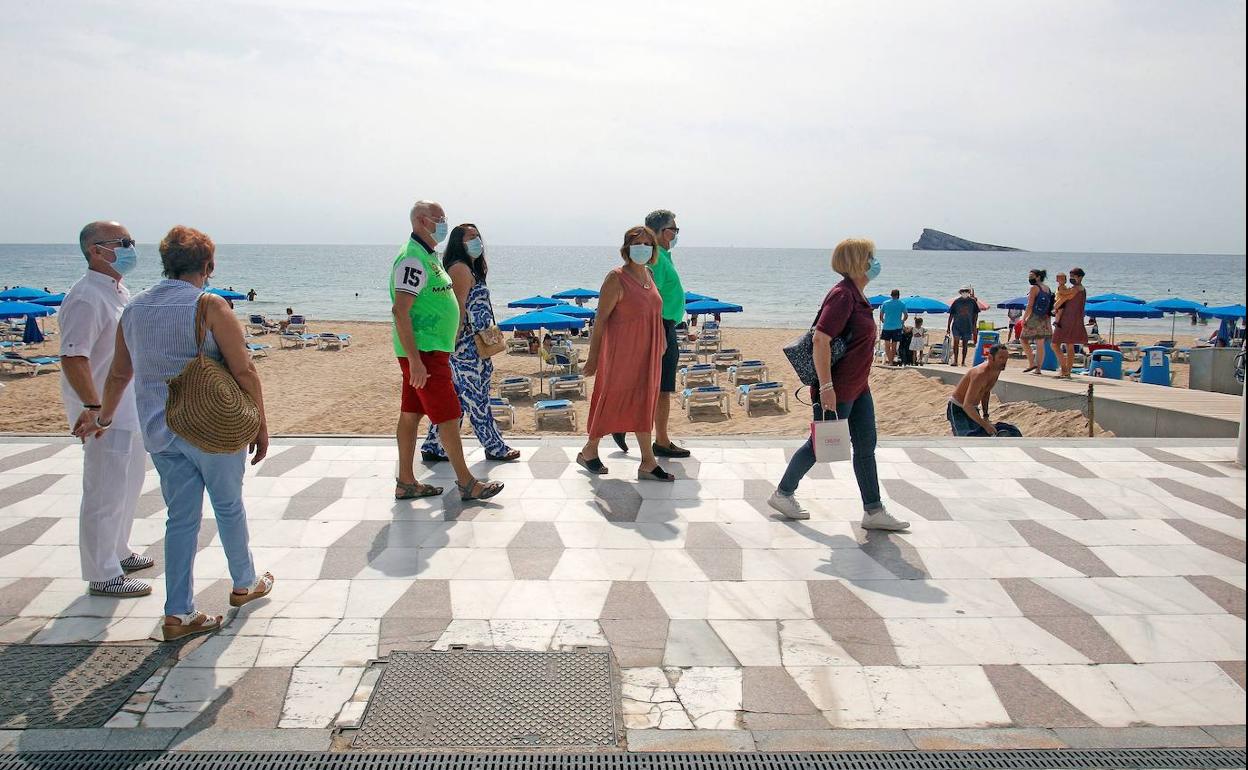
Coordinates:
844 387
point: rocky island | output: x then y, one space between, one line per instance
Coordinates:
935 240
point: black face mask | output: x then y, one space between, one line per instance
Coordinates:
1032 281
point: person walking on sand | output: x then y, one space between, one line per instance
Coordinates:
625 356
1037 323
113 466
464 261
963 318
667 280
1069 331
845 387
893 317
967 410
426 324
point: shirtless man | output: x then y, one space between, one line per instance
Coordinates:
971 396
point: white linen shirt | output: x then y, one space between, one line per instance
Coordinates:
88 325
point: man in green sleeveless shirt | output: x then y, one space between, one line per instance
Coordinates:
426 323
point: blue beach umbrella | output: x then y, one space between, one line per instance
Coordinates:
1018 303
23 310
537 301
540 319
229 294
1224 311
878 299
571 311
52 300
693 296
22 293
917 304
576 294
1120 309
1116 298
710 307
1173 306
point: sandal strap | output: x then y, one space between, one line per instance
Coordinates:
187 619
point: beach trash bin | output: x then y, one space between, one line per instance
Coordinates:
1051 364
1155 366
985 340
1107 364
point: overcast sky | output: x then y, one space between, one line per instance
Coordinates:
1064 126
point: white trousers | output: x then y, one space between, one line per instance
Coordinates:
112 478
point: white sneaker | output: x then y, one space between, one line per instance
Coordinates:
882 519
788 505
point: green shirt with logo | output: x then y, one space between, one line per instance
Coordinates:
435 310
667 281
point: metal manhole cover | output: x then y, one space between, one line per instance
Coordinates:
471 699
71 685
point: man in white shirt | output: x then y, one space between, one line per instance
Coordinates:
115 463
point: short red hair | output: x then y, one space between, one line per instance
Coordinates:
185 250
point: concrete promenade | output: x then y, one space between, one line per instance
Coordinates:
1052 593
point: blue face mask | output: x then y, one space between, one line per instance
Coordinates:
675 238
439 231
474 247
126 259
641 253
873 269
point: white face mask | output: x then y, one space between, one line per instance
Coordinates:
641 253
474 247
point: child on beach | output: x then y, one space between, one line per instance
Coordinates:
1064 292
918 342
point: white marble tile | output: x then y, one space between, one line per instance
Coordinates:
577 633
711 696
535 635
993 563
373 598
185 692
316 695
1110 532
224 652
474 634
841 693
73 629
752 642
1132 596
550 600
287 640
934 696
976 642
961 534
342 650
758 601
477 599
935 598
650 702
1177 638
1166 560
682 599
805 643
485 564
1166 694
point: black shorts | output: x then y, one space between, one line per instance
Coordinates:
892 335
671 358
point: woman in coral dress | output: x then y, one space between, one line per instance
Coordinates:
625 353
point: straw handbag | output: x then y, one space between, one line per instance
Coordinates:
206 406
489 341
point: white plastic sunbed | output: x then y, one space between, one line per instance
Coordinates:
760 393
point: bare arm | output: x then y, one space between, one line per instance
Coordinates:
228 333
462 281
1031 302
119 376
608 296
823 370
77 371
401 310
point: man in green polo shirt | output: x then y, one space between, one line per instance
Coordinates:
426 324
667 281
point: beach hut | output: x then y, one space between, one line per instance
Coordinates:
575 294
1120 309
22 294
917 304
537 301
1176 306
1111 297
229 294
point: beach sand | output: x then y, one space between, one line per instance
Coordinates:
354 391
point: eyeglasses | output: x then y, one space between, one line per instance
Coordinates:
673 228
123 242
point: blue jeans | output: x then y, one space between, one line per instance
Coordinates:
861 415
185 472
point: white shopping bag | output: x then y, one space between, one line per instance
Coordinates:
831 440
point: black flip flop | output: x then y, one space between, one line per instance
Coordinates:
594 466
658 474
620 442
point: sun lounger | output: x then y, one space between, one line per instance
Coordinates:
567 383
32 364
687 357
760 393
257 324
753 370
1130 350
290 339
707 343
332 341
503 411
297 324
707 396
726 357
12 345
698 374
556 409
256 350
516 386
517 345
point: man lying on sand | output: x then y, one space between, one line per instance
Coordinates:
972 394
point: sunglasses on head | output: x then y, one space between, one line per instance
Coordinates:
124 242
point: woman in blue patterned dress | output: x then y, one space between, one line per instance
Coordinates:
464 260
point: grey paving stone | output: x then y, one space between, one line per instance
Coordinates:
831 599
410 634
140 739
923 503
286 461
1134 737
1032 703
703 535
17 460
1061 499
1231 736
866 640
991 738
314 498
1060 463
636 642
424 599
56 739
1235 670
942 466
616 499
718 563
1176 461
694 643
289 739
1230 547
8 738
832 740
19 593
1066 550
690 740
537 534
254 702
28 531
1064 620
150 502
1200 497
1229 597
631 599
892 552
533 563
771 690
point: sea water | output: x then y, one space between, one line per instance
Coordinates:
776 287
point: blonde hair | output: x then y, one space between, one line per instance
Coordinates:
852 256
633 235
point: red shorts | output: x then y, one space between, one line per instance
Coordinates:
437 399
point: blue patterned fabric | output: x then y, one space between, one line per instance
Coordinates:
471 376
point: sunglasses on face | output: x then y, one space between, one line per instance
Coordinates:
124 242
